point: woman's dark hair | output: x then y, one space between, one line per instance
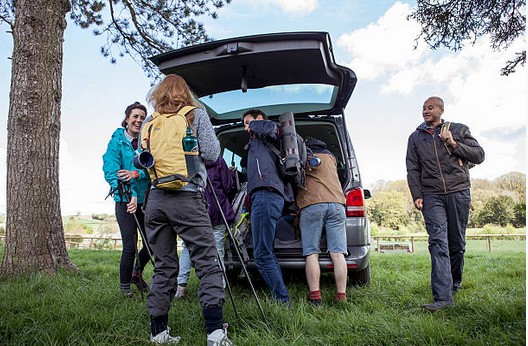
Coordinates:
129 110
254 113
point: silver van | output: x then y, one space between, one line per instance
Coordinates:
277 73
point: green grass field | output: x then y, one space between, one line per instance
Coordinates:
86 308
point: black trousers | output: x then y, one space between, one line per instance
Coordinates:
129 235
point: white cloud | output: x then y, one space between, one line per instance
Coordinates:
82 185
485 97
65 155
292 7
473 88
386 49
299 7
386 45
493 106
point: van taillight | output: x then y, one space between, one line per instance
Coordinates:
355 203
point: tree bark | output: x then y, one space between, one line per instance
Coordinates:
34 229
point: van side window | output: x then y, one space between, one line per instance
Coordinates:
233 159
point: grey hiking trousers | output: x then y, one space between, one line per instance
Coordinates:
183 213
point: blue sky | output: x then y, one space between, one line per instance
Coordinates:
371 37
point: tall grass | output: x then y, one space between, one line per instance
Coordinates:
86 308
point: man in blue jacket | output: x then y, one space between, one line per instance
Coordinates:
268 194
439 155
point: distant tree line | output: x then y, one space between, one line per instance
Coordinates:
501 202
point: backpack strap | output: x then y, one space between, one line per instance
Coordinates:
170 178
148 148
185 109
276 151
273 148
445 127
183 112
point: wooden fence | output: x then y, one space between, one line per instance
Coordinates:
80 242
397 242
404 243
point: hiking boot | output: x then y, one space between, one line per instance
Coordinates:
288 304
438 305
137 279
219 337
316 302
457 287
127 293
314 297
165 338
180 292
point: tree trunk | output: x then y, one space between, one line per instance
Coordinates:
34 229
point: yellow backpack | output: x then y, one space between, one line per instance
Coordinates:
162 137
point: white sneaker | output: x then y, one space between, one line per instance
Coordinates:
165 338
180 292
219 338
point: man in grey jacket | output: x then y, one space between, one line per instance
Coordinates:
439 155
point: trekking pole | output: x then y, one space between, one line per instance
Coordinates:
236 248
128 197
228 286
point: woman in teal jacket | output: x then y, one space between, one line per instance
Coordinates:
119 171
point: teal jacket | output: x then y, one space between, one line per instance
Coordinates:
120 155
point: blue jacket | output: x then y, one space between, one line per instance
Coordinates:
120 155
262 171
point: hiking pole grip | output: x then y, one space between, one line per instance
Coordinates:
237 250
128 197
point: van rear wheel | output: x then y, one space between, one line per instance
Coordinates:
359 277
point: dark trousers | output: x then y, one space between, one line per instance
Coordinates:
129 236
446 218
184 213
266 209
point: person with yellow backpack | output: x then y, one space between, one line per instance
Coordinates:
222 180
176 205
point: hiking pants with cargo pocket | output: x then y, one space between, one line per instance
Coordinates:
446 217
169 214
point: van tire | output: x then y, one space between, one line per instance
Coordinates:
360 277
